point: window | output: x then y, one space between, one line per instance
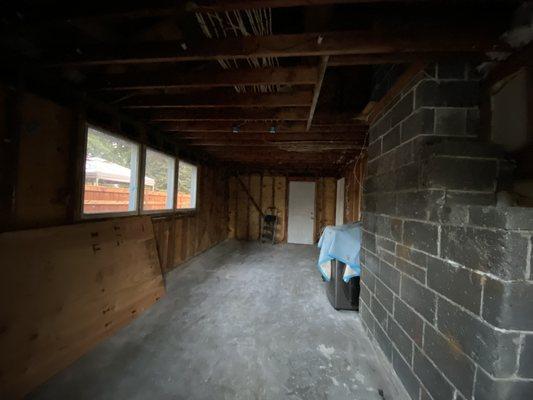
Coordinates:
111 174
186 195
159 174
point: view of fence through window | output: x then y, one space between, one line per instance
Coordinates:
186 197
158 181
111 174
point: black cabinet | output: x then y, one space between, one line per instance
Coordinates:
342 295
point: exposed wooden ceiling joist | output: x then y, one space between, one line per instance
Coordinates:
218 100
236 114
257 127
318 86
295 45
198 137
68 11
402 58
166 80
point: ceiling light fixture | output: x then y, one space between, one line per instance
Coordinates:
272 129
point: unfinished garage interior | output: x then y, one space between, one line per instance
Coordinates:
266 199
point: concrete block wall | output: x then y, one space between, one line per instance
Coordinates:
447 281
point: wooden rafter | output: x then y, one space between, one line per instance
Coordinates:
233 114
318 86
166 80
290 45
218 100
258 127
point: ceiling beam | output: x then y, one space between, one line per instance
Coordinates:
174 79
69 12
257 127
318 86
199 137
234 114
403 58
220 100
287 45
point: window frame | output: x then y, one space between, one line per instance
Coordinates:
102 215
166 211
195 208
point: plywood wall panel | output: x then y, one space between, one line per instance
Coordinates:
280 202
63 289
254 217
232 207
43 176
242 207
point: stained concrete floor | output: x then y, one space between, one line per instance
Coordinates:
241 321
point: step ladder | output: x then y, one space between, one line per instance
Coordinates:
269 225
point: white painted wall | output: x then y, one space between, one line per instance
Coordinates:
301 224
339 205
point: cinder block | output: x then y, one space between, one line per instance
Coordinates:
384 295
432 379
386 203
501 253
406 375
368 279
419 297
450 360
417 204
407 177
459 285
379 312
390 276
383 341
404 155
364 294
518 218
421 122
383 226
411 269
391 139
386 244
525 369
396 229
367 317
374 149
369 241
422 236
430 93
472 198
379 128
450 121
505 389
493 350
401 109
508 305
408 320
412 255
400 339
371 262
455 173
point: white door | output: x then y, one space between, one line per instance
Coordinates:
339 207
301 225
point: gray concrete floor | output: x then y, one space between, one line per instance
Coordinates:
241 321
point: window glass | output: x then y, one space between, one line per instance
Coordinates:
158 181
111 174
186 194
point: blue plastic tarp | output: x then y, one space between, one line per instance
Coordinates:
342 243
